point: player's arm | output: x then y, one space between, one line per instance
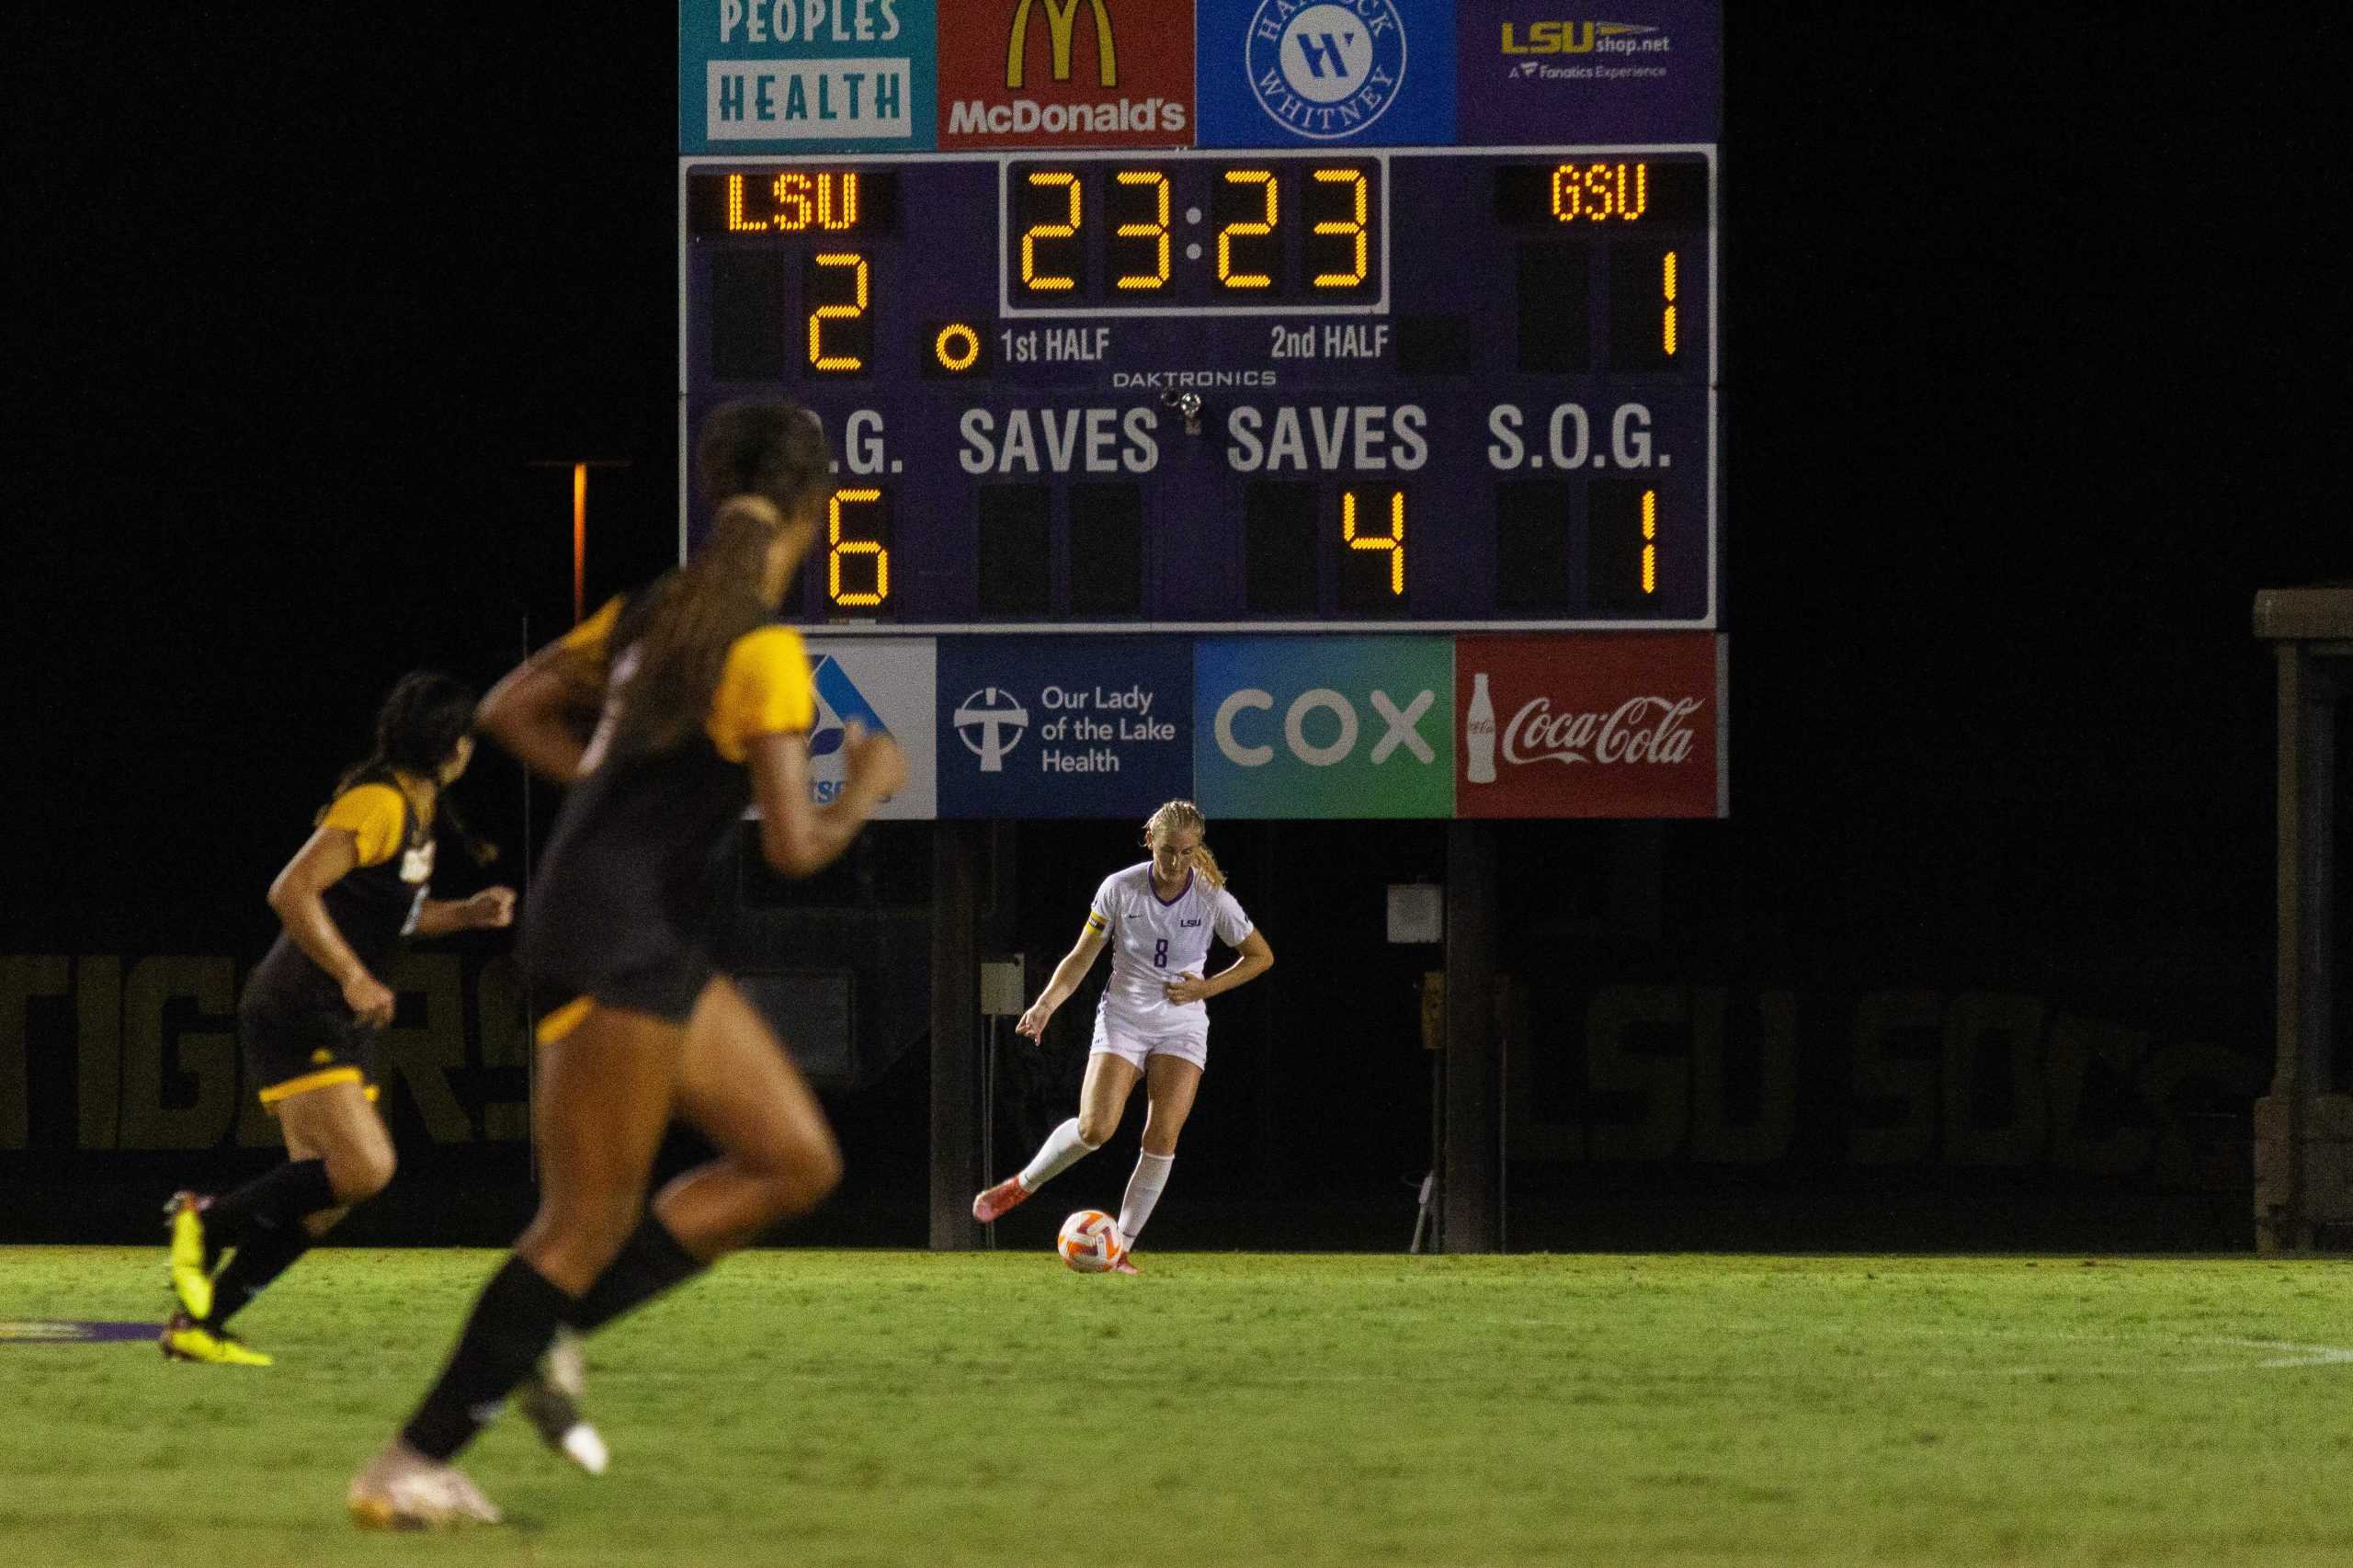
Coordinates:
328 855
537 709
1067 974
799 838
486 911
1252 959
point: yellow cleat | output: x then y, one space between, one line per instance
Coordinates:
184 1339
191 1282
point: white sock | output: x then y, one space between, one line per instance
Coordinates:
1063 1149
1144 1192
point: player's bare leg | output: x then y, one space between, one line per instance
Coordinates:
1101 1099
548 1398
603 1099
1170 1085
738 1087
338 1154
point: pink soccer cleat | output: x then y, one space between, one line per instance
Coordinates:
1126 1265
999 1200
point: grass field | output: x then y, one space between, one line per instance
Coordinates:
893 1408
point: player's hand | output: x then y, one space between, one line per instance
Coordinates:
874 761
1033 1022
1185 988
490 909
369 999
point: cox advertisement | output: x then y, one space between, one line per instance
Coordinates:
1063 726
1292 727
1591 726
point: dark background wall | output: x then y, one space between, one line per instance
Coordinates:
2030 320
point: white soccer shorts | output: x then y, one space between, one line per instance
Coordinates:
1133 1040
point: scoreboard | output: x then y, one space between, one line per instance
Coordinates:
1307 408
1273 389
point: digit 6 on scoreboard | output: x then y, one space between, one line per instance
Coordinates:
857 549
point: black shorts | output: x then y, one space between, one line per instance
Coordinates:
288 1054
666 989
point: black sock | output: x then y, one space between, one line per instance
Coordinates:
513 1320
259 1259
650 1263
273 1201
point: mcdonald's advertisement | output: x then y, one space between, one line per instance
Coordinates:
1065 72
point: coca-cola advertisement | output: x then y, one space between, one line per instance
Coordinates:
1591 725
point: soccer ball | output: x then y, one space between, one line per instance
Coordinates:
1091 1241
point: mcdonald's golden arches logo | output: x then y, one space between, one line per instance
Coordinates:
1055 72
1061 17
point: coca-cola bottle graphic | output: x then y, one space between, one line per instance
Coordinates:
1479 732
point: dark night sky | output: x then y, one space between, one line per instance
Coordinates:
2024 311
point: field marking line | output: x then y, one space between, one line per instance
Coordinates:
2292 1355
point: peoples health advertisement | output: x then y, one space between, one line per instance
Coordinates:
806 75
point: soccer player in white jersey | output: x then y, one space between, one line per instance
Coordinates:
1158 917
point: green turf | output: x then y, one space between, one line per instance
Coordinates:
887 1408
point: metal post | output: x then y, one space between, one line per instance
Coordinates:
2303 1129
1467 1182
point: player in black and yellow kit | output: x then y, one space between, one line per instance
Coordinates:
356 889
705 709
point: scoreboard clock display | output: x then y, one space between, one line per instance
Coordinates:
1268 390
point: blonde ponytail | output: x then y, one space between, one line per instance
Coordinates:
1176 816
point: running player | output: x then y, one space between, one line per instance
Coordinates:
1151 1022
312 1008
705 706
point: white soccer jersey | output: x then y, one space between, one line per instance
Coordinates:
1153 941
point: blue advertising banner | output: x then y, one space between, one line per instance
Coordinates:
1063 726
1296 727
1308 73
885 683
806 75
1646 71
